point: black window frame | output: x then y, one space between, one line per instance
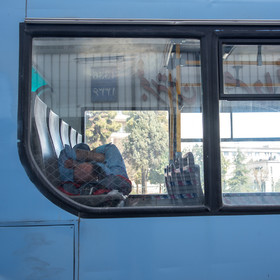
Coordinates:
211 35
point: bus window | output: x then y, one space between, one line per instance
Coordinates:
142 95
188 112
251 69
250 139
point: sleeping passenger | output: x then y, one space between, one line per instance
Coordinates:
99 171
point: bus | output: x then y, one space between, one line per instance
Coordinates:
173 107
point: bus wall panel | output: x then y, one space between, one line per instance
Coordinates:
18 193
232 247
158 9
37 252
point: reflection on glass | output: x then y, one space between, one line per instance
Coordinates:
251 69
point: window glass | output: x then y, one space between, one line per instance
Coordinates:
118 121
225 123
250 156
251 69
192 128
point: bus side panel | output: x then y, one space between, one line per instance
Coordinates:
232 247
180 248
19 199
37 252
157 9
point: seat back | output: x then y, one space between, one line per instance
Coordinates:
47 160
54 132
79 138
182 179
64 133
73 137
40 115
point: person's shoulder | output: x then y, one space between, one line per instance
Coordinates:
67 152
102 148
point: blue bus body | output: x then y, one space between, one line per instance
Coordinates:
39 240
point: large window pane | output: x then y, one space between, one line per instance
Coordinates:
250 156
142 95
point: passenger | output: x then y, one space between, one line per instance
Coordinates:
84 171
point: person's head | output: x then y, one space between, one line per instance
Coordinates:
86 172
81 146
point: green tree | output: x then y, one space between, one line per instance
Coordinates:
224 170
156 175
100 126
239 182
146 148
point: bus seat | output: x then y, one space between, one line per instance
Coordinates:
64 133
40 115
48 159
191 175
182 180
73 137
54 132
79 138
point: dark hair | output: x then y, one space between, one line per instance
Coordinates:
81 146
97 171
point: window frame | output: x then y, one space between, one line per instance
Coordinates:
211 35
252 34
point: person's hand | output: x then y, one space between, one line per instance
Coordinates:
93 156
69 163
85 155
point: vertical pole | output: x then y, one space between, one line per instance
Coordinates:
171 118
178 99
